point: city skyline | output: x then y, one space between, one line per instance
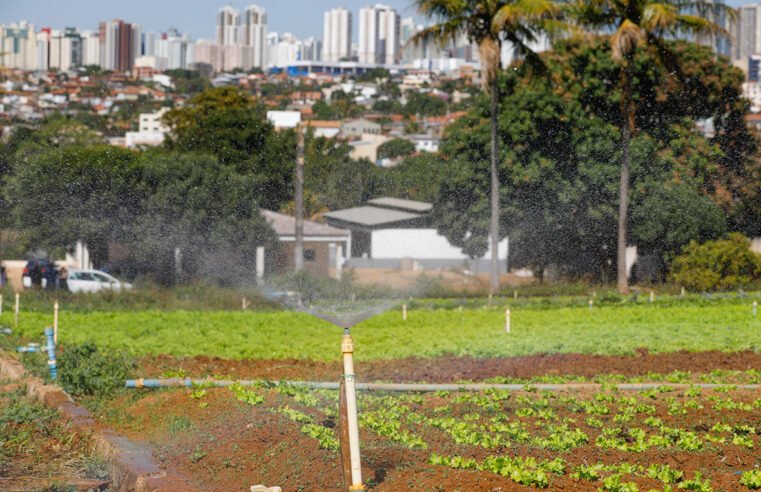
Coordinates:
196 18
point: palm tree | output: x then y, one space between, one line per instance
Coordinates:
488 24
643 25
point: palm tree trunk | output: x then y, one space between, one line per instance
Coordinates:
494 187
627 131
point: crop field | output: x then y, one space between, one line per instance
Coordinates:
430 331
611 440
596 438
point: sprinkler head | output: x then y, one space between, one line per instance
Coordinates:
346 331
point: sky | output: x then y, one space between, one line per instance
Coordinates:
196 17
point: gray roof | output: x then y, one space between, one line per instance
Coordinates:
401 203
285 225
371 216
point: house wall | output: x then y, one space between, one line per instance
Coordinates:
420 244
321 265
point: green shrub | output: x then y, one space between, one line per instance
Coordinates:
84 370
724 264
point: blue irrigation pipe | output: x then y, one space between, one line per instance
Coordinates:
422 388
51 353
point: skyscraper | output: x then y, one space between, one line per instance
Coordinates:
90 48
254 33
228 26
18 46
379 35
336 43
119 45
745 31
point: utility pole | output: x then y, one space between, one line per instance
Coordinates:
298 249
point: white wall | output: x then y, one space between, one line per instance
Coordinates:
421 244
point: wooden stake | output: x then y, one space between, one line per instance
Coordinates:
1 304
55 323
515 294
17 308
245 303
591 303
343 435
404 312
652 296
755 308
507 320
490 297
682 292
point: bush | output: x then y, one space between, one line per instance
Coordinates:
87 371
724 264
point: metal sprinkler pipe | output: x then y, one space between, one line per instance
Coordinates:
347 347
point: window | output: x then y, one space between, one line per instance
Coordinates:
309 255
99 277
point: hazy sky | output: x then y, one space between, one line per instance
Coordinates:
301 17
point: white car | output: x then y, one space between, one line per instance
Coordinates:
94 281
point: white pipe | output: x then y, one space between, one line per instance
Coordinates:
347 347
17 308
507 320
55 323
404 312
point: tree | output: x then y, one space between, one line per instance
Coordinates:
205 208
560 143
396 147
90 193
642 25
488 23
424 105
226 123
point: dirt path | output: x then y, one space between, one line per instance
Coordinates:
452 369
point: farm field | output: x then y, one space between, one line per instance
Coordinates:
724 325
610 440
604 438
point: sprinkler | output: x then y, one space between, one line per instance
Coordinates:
347 347
51 352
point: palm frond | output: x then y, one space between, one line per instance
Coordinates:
699 25
625 40
441 9
659 17
439 34
524 12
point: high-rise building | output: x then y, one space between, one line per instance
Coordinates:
379 35
228 26
61 50
209 53
254 34
336 40
90 48
119 45
746 31
312 49
149 44
18 46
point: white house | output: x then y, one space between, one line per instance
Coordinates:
284 119
152 130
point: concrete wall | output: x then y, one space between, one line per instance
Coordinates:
421 244
321 265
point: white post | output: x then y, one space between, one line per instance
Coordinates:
515 294
339 261
347 347
259 264
652 296
404 312
507 320
682 291
55 322
591 303
244 304
490 296
17 308
755 308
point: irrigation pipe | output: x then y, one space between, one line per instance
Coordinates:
423 388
